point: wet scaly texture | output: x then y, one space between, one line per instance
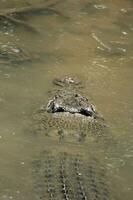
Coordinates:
65 176
67 126
58 173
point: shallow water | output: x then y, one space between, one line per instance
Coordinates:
90 39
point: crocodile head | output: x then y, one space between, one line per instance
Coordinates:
70 111
72 103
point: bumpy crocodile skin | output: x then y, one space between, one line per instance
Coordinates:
69 177
60 175
68 126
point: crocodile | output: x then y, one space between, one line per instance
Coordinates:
66 169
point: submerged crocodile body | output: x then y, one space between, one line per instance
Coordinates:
65 171
69 177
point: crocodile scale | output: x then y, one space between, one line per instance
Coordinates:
69 177
68 122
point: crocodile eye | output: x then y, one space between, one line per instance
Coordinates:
86 112
59 109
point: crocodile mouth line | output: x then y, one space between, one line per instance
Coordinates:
71 115
83 112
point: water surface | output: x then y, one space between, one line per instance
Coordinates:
90 39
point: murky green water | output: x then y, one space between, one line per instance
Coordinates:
90 39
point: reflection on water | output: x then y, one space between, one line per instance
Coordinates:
90 39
